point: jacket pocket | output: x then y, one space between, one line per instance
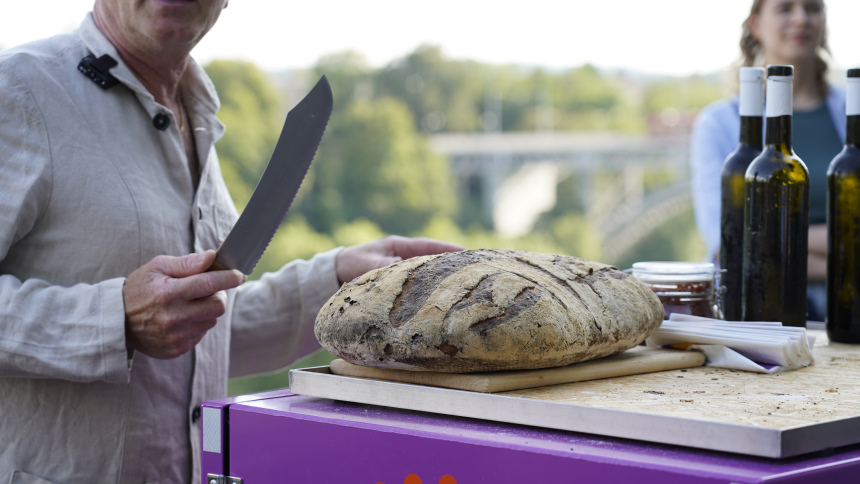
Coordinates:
21 477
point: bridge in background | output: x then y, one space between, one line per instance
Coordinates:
515 178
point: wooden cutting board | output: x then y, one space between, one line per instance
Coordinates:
631 362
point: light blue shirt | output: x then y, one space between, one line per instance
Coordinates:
715 135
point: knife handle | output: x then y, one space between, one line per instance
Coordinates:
216 266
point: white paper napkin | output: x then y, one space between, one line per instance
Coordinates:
762 347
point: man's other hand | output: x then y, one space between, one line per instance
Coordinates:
358 259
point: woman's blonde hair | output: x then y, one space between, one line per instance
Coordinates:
751 48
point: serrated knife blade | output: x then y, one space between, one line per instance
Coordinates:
294 151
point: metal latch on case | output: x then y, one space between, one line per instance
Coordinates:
219 479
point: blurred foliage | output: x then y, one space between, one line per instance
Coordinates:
442 95
372 164
675 240
455 96
692 93
251 107
375 172
349 75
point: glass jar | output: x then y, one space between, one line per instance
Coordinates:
683 287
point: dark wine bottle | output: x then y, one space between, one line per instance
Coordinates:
776 216
843 226
751 109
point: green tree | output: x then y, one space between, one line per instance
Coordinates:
586 99
441 94
252 112
372 164
683 94
349 74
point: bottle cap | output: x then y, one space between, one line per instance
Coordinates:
779 83
783 71
751 95
852 93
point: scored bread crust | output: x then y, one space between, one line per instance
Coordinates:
487 310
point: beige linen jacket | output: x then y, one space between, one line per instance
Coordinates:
90 190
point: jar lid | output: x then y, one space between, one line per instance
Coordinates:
674 271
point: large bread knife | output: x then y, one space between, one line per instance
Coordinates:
279 184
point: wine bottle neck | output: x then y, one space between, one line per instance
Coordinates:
751 131
852 130
778 131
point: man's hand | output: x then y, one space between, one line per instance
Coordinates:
170 303
358 259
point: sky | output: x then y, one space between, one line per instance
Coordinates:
670 37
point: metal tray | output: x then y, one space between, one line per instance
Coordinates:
835 423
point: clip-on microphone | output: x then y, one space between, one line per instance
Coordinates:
97 70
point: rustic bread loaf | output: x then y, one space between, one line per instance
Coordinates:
486 310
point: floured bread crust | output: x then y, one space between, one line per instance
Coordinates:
486 310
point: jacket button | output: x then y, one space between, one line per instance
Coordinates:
195 414
199 213
161 122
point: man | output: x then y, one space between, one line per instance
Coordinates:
111 201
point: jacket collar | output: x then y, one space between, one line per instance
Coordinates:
198 92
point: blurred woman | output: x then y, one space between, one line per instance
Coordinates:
778 32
